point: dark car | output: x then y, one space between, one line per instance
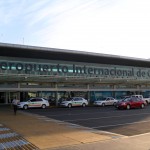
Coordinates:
52 101
131 102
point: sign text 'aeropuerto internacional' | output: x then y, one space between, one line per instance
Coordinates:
114 71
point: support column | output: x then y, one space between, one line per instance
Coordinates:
18 93
56 94
114 92
88 93
6 97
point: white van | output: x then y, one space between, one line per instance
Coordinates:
147 100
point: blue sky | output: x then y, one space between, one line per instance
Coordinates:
119 27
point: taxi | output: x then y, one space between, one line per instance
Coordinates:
105 101
74 101
33 102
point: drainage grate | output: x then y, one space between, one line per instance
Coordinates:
10 140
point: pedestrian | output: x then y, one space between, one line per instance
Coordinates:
14 103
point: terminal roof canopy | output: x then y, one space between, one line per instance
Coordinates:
24 51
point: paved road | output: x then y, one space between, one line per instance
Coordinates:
124 122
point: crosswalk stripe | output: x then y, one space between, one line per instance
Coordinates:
11 140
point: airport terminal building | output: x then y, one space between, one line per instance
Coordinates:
28 71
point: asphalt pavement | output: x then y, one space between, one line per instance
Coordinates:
125 122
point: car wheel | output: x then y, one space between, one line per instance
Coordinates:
25 107
128 107
103 104
83 105
69 105
142 106
43 106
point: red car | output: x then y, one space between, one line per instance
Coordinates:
131 102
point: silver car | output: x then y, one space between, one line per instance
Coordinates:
105 101
74 101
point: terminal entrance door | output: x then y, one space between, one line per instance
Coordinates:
2 97
7 97
26 95
12 95
79 94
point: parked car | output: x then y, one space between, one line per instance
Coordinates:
131 102
147 100
34 102
74 101
105 101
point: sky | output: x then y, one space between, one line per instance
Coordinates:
118 27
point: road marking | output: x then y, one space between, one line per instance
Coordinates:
8 135
120 124
4 129
70 114
107 117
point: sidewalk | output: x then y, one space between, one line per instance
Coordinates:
47 133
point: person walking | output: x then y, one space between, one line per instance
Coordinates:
15 102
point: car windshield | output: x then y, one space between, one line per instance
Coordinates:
26 100
30 99
122 97
101 99
126 99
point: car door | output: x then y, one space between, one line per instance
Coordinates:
108 102
74 101
39 102
80 101
111 102
77 101
137 102
133 102
32 102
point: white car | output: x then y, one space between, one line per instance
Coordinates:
34 102
74 101
105 101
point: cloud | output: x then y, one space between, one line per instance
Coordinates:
10 10
105 26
